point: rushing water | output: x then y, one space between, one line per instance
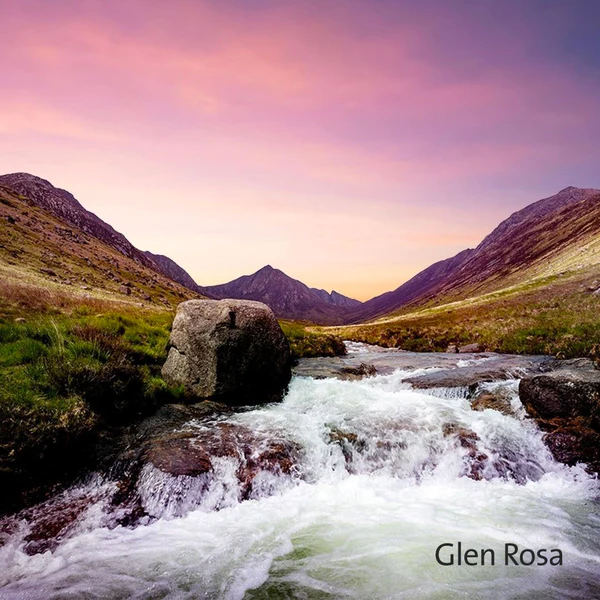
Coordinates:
383 475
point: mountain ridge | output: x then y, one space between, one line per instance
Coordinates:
63 205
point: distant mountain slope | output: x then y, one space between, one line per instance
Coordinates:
544 238
63 205
530 242
171 269
414 288
289 298
41 243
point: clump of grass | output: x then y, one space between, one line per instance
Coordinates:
304 343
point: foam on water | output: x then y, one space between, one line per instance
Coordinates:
380 482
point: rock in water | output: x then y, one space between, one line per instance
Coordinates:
231 349
566 403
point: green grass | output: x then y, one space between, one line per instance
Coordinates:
305 344
65 378
558 319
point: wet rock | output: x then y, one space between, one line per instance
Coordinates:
566 403
339 436
179 455
471 348
349 443
499 401
452 349
465 377
363 370
572 444
475 462
232 349
191 453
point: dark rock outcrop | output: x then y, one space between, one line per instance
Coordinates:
229 349
566 403
572 391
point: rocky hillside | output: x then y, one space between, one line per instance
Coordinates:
287 297
48 240
547 238
40 193
172 270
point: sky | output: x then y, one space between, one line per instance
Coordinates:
350 144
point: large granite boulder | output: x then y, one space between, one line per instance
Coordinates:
229 349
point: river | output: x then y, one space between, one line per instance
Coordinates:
383 474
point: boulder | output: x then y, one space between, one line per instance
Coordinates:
569 392
234 350
566 403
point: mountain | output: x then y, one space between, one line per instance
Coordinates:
171 269
543 239
414 288
533 241
63 205
287 297
48 237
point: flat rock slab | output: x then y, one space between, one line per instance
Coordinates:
447 369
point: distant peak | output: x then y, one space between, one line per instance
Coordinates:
266 269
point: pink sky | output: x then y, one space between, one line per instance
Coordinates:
350 144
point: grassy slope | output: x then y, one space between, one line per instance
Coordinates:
40 249
70 368
556 312
305 343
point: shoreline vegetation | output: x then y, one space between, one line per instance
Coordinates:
556 317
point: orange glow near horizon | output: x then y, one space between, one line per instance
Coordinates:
348 144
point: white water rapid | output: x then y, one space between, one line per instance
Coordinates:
383 475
